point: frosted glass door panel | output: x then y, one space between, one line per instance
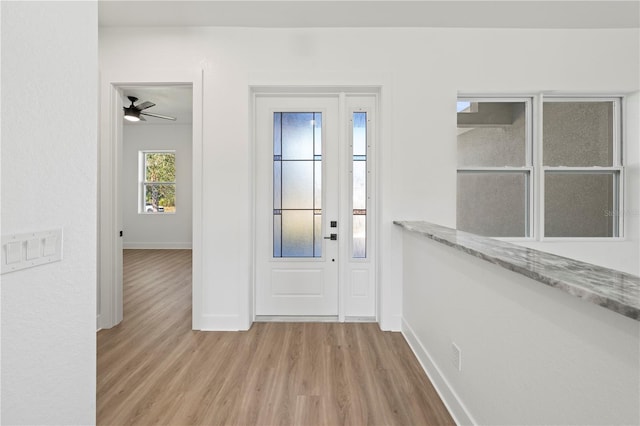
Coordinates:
298 189
359 236
359 133
359 184
317 183
297 233
297 184
298 132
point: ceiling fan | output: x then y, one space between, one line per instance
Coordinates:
135 112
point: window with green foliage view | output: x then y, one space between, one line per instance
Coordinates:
157 182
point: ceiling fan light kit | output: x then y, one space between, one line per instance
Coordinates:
134 112
131 114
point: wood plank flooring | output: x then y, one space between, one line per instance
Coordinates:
154 370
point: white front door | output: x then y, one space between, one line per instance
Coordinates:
297 199
315 233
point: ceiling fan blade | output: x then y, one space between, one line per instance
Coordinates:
166 117
145 105
142 118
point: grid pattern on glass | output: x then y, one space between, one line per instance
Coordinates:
492 204
580 204
297 184
578 134
159 186
359 182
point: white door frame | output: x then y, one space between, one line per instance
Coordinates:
109 211
287 90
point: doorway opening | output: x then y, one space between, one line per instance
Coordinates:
150 171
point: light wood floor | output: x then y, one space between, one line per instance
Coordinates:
154 370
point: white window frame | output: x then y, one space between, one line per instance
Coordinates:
142 154
528 170
537 171
616 167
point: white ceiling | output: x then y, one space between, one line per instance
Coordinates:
175 101
372 13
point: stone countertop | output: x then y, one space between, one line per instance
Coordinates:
614 290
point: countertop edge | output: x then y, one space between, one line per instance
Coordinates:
574 289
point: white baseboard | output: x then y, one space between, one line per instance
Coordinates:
98 323
220 323
449 397
158 246
391 323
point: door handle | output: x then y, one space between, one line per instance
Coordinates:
332 237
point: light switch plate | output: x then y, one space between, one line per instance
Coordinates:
33 249
21 251
14 252
50 244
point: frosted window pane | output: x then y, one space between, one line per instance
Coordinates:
297 184
494 135
359 133
297 135
359 236
492 204
578 134
277 133
297 233
317 119
317 249
579 204
359 184
277 184
277 235
317 182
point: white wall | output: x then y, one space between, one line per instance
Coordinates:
420 71
531 354
157 230
49 157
